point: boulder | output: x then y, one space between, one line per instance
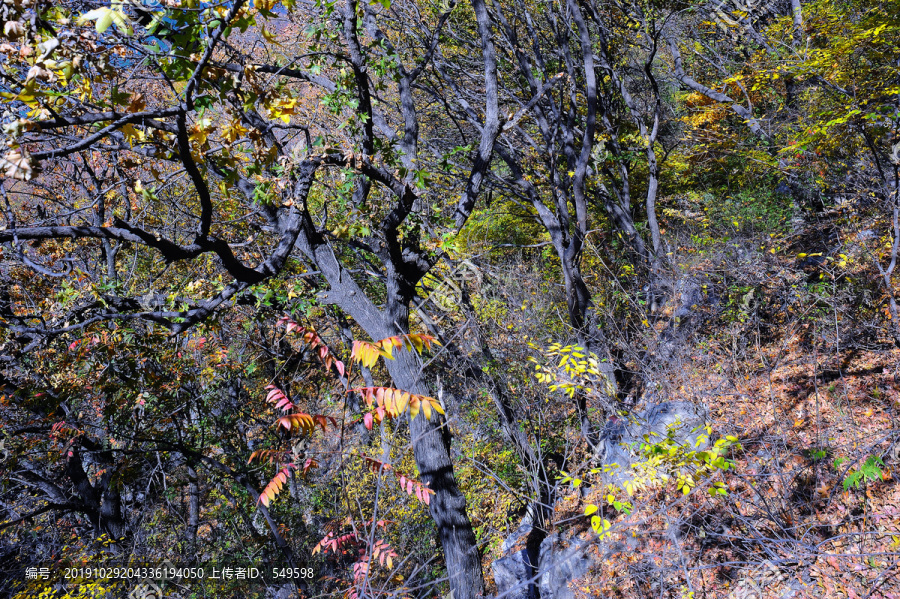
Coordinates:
559 562
559 565
514 571
512 575
621 438
526 571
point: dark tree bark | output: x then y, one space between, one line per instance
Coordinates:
383 143
431 438
193 519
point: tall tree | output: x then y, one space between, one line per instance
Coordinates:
256 157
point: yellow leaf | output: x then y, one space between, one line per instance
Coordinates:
131 133
436 406
269 36
234 130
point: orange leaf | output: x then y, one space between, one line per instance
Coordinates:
395 402
305 423
264 455
275 485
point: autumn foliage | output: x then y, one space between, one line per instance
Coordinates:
401 298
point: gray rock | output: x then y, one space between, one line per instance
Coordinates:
560 561
513 574
691 296
559 566
285 591
621 438
682 416
521 533
689 292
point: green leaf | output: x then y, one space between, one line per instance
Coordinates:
852 480
869 470
105 21
121 22
105 17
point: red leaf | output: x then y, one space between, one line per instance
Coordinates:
409 485
278 397
274 487
310 463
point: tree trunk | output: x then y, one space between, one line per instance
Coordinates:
431 447
583 320
430 439
193 520
101 503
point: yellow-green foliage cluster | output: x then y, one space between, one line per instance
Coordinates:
664 461
490 310
667 459
95 589
578 370
504 222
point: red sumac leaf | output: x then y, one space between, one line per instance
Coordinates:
265 455
275 485
278 397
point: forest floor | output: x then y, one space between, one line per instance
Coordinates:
813 502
